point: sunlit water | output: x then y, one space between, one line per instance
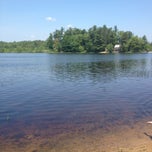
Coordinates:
64 91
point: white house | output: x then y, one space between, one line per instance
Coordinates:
117 48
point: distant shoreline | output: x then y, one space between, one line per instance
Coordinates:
100 53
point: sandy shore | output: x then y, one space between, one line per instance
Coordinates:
123 138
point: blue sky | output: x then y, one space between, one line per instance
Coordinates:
35 19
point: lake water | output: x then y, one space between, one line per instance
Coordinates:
62 93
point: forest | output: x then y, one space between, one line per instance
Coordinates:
23 47
75 40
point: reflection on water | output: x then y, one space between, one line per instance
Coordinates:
62 91
102 70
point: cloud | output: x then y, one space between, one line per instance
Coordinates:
50 19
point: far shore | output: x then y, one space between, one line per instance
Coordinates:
102 52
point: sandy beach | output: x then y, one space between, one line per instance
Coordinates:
133 138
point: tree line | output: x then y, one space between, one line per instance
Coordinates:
23 47
75 40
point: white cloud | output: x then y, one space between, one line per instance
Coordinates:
50 19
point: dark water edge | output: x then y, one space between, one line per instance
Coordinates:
47 95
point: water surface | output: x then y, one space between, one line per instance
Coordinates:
61 92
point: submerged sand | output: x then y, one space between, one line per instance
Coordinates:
136 137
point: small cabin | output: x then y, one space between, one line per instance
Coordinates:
117 48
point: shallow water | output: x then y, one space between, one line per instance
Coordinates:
64 93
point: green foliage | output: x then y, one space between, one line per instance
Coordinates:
109 47
135 44
74 40
49 42
94 40
23 46
97 39
124 37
